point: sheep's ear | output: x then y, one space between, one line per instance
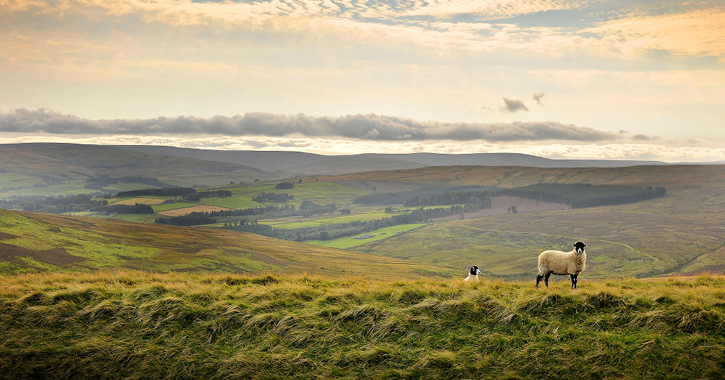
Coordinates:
573 245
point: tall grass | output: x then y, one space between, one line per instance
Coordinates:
136 325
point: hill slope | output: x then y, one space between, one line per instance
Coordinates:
507 159
63 168
294 163
669 176
682 233
49 242
316 164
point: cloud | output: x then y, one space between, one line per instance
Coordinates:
698 32
370 127
641 137
538 96
513 105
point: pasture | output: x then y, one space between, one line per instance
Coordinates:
325 220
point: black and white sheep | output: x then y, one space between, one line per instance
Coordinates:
473 272
562 263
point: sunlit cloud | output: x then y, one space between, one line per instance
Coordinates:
697 32
649 68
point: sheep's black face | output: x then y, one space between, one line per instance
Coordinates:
579 247
474 270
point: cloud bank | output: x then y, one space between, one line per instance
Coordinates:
365 127
335 146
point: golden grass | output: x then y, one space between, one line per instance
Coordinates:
123 324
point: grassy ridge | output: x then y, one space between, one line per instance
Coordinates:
138 325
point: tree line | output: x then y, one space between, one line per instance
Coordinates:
307 209
272 197
482 198
82 203
195 197
384 199
585 195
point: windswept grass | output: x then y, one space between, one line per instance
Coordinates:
141 325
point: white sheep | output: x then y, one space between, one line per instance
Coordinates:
562 263
473 272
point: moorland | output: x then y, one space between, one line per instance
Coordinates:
102 281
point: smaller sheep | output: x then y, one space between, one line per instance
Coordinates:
473 272
562 263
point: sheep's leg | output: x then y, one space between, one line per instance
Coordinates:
538 279
573 281
546 279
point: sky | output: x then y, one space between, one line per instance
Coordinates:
600 79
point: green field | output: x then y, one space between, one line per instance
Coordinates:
350 241
10 181
321 193
235 202
172 206
284 223
133 325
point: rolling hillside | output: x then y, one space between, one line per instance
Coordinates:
301 163
705 177
52 169
293 163
33 242
683 233
506 159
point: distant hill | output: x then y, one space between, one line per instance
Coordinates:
669 176
50 159
301 163
508 159
53 169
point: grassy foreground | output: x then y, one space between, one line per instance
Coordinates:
136 325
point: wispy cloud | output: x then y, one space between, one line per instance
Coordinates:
538 96
365 127
699 32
